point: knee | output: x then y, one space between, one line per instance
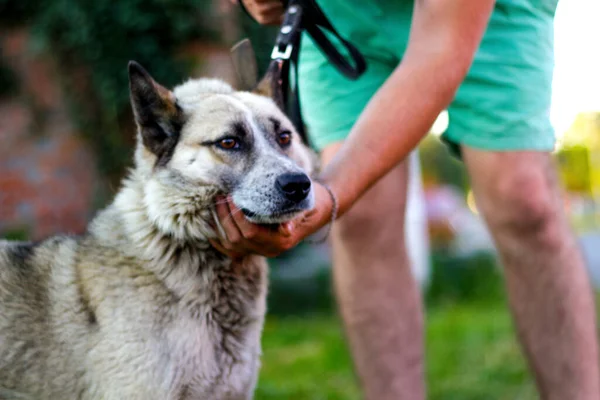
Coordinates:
526 206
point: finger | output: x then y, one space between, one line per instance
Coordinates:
286 229
263 237
231 254
216 219
233 220
232 232
218 246
246 228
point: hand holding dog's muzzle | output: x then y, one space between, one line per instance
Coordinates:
244 237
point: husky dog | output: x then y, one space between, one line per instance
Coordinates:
142 306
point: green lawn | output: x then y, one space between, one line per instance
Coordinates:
471 354
471 351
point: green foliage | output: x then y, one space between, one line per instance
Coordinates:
300 282
7 81
439 164
93 41
575 168
474 279
301 296
16 12
19 235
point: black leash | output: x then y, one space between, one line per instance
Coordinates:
306 15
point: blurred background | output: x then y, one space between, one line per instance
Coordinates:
66 136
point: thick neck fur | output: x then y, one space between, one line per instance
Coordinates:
165 227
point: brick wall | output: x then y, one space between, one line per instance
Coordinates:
47 172
49 181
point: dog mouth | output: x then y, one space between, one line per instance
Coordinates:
272 218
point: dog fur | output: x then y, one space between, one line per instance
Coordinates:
142 306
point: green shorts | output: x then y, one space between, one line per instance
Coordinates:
502 105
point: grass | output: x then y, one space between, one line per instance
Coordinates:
471 349
472 354
305 358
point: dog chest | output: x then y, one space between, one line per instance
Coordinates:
202 343
214 343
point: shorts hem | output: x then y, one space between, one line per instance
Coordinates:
514 142
319 143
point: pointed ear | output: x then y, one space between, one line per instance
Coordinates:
267 86
244 63
156 113
149 99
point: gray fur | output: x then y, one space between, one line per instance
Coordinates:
141 306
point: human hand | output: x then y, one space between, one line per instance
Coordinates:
243 237
265 12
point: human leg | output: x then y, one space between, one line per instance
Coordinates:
547 284
376 291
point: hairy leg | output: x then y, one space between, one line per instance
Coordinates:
548 288
377 295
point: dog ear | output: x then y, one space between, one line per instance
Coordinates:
266 85
243 58
244 63
156 112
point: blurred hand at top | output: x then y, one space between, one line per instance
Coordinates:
265 12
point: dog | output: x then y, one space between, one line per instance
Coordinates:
141 306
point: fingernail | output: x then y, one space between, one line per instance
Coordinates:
287 228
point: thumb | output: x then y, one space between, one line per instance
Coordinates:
286 229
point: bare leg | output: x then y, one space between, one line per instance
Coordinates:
377 295
548 288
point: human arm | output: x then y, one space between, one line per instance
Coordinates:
444 37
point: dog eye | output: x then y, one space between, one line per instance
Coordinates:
228 144
284 138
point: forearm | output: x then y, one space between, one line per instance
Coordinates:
395 120
445 35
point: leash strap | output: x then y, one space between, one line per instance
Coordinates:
315 23
306 15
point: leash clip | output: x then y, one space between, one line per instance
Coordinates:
277 54
289 34
306 15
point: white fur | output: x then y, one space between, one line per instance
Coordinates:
142 306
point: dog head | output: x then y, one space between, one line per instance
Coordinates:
204 138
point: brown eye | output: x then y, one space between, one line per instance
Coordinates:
284 138
228 144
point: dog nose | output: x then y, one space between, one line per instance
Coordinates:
295 187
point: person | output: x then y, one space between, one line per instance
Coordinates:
490 65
